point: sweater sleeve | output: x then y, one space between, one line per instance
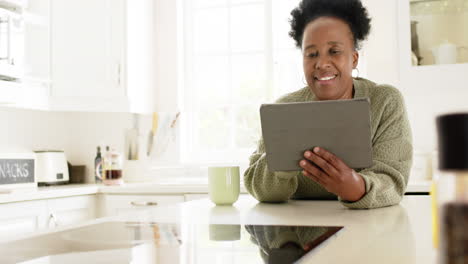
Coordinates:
267 186
392 154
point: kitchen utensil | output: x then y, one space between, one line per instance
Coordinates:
51 167
152 133
131 140
166 133
175 120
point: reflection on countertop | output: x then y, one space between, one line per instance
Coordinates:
169 243
247 232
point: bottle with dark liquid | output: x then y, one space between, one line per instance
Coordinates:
113 172
452 188
105 161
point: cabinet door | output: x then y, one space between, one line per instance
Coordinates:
70 210
22 218
36 82
87 39
121 204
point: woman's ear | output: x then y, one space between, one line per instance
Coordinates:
355 58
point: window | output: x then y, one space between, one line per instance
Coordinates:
237 55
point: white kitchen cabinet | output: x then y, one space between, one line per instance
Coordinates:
22 217
117 204
30 86
31 216
37 52
70 210
101 55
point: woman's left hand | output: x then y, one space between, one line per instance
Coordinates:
333 174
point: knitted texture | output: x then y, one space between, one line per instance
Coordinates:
392 153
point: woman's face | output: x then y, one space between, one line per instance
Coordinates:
329 57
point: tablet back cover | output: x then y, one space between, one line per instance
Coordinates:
341 126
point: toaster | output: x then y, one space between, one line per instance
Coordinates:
51 167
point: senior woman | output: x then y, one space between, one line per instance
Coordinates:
329 34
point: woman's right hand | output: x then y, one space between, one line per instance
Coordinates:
333 174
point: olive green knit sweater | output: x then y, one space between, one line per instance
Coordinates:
392 154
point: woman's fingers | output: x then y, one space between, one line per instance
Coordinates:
329 157
313 172
326 166
313 177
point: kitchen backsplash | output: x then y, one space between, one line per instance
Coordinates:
76 133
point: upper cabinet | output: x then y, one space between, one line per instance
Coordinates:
437 32
24 53
433 58
86 55
101 55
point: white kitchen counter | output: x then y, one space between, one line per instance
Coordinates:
175 186
397 234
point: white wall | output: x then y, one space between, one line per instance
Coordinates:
77 134
381 47
25 130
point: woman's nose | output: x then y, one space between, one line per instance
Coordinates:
322 62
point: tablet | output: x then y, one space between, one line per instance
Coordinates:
340 126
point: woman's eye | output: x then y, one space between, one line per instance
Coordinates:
335 51
312 55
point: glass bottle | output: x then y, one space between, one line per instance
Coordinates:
105 156
98 166
452 187
113 164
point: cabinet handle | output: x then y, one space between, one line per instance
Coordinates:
144 203
53 220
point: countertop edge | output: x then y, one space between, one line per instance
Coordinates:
145 188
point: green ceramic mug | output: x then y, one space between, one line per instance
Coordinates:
224 184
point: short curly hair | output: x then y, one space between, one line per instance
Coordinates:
350 11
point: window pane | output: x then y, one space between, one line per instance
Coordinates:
288 72
210 30
211 80
247 28
248 78
280 23
213 132
247 126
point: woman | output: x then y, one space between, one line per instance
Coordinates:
329 34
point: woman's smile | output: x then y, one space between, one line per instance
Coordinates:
326 79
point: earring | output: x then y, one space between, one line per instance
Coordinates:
355 74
